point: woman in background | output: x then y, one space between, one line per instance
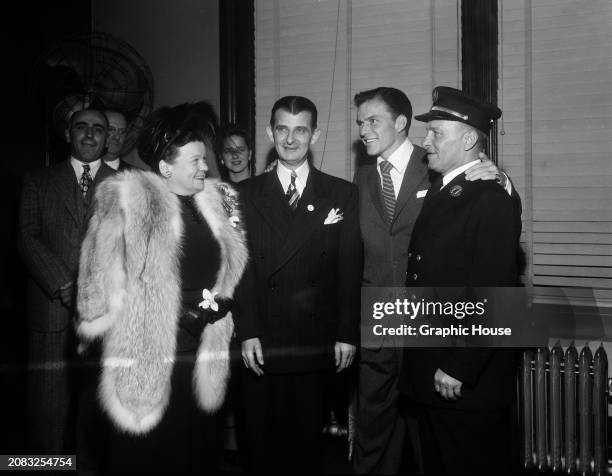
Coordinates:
236 153
163 253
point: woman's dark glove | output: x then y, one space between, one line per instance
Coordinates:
225 305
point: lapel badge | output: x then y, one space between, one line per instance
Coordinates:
310 207
455 191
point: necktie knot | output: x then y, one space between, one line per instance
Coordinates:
386 166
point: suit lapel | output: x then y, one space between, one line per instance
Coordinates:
273 207
64 182
375 190
311 212
414 174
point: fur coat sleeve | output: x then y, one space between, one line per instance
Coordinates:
129 294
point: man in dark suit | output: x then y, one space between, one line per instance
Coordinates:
297 312
53 213
117 129
392 186
467 235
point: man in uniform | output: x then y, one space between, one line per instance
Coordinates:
467 234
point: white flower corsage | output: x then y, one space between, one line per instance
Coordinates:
208 300
230 204
334 216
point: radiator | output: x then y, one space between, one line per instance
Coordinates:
563 410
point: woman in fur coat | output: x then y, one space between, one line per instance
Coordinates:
163 253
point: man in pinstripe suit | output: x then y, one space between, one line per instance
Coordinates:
297 308
52 220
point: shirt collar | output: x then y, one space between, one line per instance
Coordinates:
284 175
400 158
114 164
77 166
455 172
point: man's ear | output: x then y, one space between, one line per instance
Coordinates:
315 136
470 139
270 133
67 134
400 122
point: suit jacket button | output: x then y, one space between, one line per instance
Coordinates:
418 257
415 276
409 255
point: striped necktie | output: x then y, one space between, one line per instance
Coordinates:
86 179
387 188
292 194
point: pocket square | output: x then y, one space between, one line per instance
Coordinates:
334 216
421 193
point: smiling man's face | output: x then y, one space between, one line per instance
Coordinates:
380 132
292 136
87 135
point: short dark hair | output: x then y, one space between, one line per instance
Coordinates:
233 130
168 128
295 105
79 111
397 102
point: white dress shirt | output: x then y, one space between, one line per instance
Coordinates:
77 165
399 160
284 175
113 164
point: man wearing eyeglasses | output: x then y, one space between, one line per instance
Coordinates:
117 130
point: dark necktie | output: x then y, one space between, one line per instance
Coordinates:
387 188
292 194
86 179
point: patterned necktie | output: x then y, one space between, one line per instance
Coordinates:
292 194
85 179
387 188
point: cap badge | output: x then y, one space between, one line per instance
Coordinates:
455 191
310 207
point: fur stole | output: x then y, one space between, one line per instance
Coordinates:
129 294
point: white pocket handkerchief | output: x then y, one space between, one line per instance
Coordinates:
334 216
421 193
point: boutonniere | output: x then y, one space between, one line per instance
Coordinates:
334 216
208 300
230 204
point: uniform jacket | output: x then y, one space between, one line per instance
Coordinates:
52 222
130 291
386 244
466 235
301 289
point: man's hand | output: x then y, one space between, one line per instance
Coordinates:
344 354
485 170
66 295
252 355
447 386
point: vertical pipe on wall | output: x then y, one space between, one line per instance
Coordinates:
349 95
432 14
277 66
528 144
